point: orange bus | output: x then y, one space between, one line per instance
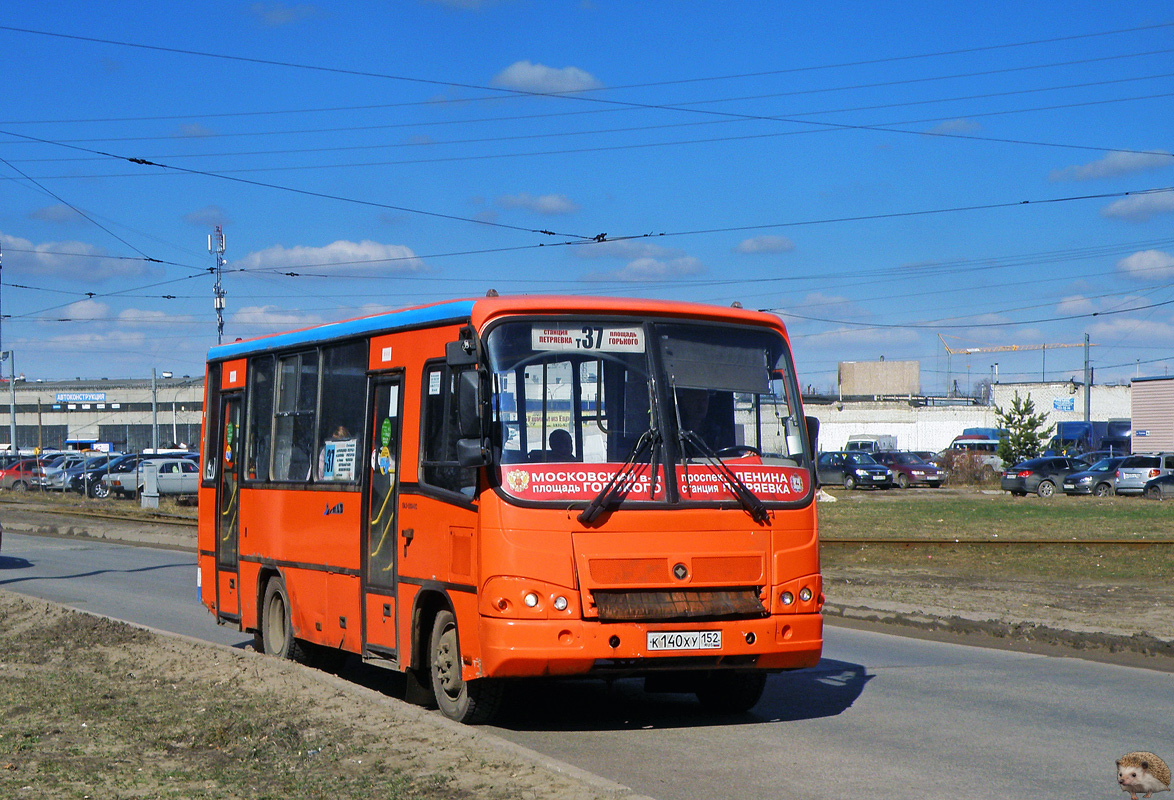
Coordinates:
513 487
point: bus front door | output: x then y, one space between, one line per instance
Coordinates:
381 528
228 511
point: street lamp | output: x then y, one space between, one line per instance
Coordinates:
155 410
10 357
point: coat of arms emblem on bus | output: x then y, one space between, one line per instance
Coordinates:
518 479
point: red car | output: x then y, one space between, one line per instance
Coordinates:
21 475
910 469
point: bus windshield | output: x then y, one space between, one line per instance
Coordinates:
581 397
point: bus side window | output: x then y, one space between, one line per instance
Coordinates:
439 466
260 419
297 401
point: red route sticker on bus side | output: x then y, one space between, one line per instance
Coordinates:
584 481
575 481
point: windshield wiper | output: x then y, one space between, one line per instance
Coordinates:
755 507
615 489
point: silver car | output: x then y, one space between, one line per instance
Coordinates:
1136 470
176 476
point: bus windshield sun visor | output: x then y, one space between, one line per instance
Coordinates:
716 365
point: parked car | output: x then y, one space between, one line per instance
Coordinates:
59 478
979 448
1040 475
21 476
1135 471
852 470
1099 479
176 476
1160 488
871 444
54 470
84 479
909 469
130 462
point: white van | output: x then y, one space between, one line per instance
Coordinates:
871 443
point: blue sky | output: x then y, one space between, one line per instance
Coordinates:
993 173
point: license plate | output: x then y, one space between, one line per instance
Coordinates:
684 640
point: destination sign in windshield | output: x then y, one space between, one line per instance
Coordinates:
600 338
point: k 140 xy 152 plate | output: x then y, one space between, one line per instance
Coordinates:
684 640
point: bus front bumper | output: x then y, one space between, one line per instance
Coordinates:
526 648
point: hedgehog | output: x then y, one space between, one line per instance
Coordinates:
1142 772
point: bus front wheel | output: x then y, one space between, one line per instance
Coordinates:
473 702
276 625
731 692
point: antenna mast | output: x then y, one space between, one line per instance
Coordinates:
216 247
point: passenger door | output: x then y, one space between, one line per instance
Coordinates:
228 507
381 535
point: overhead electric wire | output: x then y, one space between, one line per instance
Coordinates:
557 134
309 192
229 174
566 95
500 90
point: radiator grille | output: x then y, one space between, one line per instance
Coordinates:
678 605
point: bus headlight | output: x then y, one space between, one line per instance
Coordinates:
787 598
524 598
804 594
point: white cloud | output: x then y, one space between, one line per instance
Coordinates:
71 260
626 249
1075 304
148 318
1125 329
464 5
526 77
651 269
207 217
1113 165
955 126
849 337
273 316
1140 207
362 255
194 130
1150 265
85 310
548 204
60 214
276 15
765 244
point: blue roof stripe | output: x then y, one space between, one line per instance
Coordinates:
458 309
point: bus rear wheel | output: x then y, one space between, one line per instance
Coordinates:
731 692
471 702
276 625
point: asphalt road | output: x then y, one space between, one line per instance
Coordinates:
881 716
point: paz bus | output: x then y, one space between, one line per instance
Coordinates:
514 487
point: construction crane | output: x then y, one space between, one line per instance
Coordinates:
1005 348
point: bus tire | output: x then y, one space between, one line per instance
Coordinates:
277 635
731 692
471 702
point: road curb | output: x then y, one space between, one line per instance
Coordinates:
1008 633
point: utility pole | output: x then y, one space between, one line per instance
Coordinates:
1087 384
154 414
216 247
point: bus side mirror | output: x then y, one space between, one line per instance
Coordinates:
472 452
469 404
812 433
